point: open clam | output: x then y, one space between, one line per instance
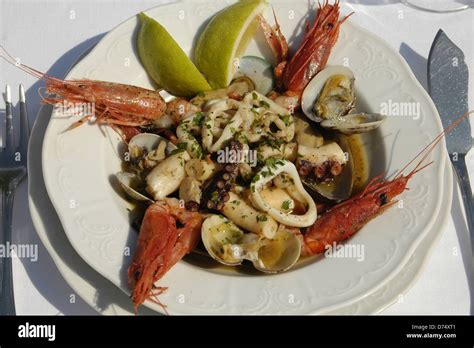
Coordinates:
229 245
330 97
278 254
138 147
131 185
147 142
223 240
329 94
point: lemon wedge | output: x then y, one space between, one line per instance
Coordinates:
225 38
166 62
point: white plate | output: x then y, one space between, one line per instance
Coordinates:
77 167
107 299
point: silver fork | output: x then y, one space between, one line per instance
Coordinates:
12 171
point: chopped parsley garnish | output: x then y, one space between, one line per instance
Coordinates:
198 119
180 148
287 119
273 162
256 178
286 205
274 143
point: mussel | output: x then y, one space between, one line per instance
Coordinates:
330 98
229 245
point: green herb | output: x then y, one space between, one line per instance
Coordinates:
197 150
243 137
287 119
261 218
271 162
274 143
174 152
181 147
256 178
198 119
286 205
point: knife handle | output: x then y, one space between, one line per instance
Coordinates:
466 192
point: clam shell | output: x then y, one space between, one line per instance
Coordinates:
278 254
216 232
355 123
267 255
130 181
313 89
149 142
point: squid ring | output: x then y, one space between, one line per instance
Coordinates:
268 173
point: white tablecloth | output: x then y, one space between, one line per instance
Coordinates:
52 34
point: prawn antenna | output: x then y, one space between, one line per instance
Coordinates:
426 151
6 56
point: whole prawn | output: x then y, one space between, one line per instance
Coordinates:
294 73
161 244
115 104
345 219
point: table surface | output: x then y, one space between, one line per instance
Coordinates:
50 35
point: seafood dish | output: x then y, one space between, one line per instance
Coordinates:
259 167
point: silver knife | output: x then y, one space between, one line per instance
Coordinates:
448 78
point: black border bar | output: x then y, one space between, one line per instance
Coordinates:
288 330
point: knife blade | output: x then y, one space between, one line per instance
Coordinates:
448 77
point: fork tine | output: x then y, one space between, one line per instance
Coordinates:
9 142
24 123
